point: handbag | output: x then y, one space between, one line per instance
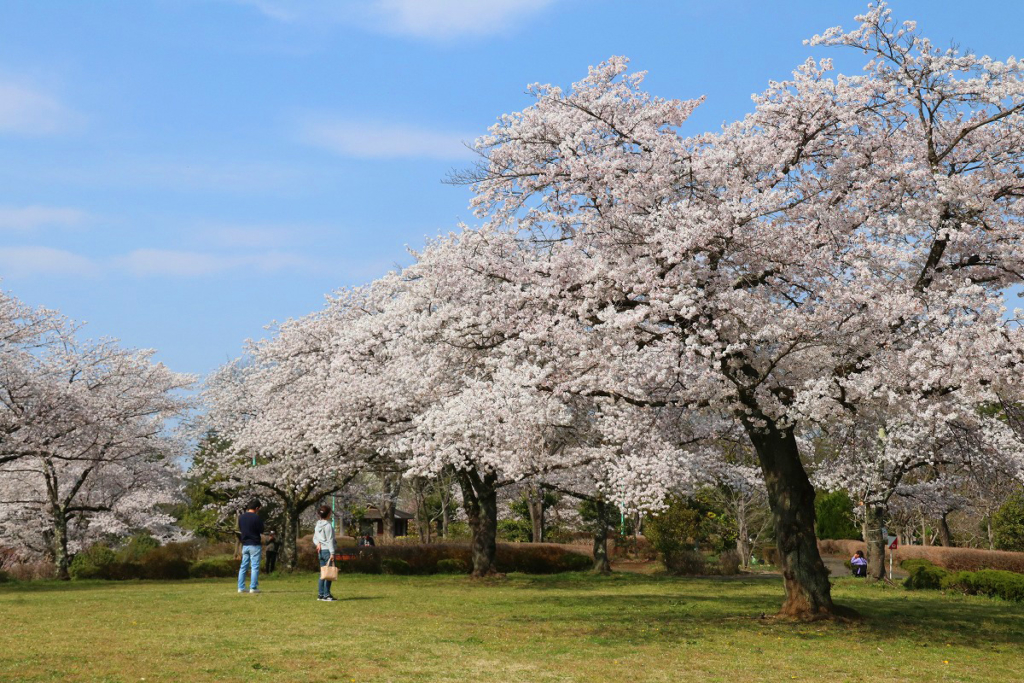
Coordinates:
329 572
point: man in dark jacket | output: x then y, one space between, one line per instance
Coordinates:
250 526
272 547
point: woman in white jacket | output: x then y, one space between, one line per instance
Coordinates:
323 539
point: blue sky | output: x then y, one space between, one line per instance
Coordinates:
178 173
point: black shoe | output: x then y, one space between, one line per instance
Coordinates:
320 598
329 598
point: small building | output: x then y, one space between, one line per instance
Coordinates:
372 522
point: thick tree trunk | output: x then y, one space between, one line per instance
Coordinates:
791 498
480 498
289 554
392 484
419 487
945 535
61 560
535 501
874 516
602 565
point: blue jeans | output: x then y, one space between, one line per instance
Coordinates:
250 560
323 588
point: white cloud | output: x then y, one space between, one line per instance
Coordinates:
369 140
31 217
36 260
431 19
27 111
169 262
22 261
254 236
451 18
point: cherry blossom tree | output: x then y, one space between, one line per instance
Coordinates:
915 458
306 410
847 242
94 456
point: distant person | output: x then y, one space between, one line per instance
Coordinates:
323 539
859 564
367 541
273 545
250 526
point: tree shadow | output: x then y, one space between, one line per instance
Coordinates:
678 608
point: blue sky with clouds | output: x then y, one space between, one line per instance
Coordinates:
179 173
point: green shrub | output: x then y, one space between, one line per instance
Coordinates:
452 566
540 559
674 531
990 582
92 563
515 530
915 562
171 561
214 567
1008 524
686 563
925 576
136 547
458 531
4 576
729 563
993 583
392 565
956 581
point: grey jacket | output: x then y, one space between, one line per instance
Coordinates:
323 535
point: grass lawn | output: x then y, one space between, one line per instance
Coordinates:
626 627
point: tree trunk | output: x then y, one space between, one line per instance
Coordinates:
289 553
535 501
422 514
392 484
924 532
791 498
601 563
480 498
991 535
874 516
445 518
742 534
60 545
945 535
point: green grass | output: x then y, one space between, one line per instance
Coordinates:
626 627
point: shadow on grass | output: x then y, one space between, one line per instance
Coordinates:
678 608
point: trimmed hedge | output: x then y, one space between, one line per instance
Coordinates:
452 566
391 565
924 575
428 558
179 561
166 562
990 582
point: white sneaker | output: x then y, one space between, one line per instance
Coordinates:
255 590
242 590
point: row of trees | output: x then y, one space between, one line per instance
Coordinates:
639 303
